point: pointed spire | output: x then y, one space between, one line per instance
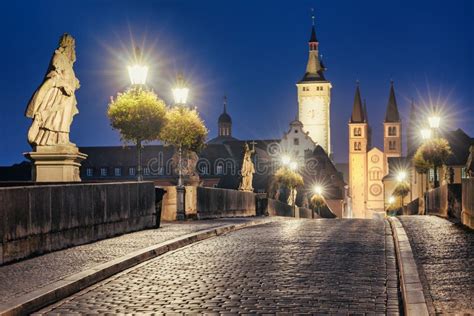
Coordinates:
357 111
225 104
392 114
314 68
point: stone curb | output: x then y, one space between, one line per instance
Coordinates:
58 290
414 302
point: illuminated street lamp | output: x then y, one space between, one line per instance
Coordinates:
434 121
180 94
318 189
401 176
180 91
285 160
138 71
391 200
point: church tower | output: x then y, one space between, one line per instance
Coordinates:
314 97
224 122
358 145
392 126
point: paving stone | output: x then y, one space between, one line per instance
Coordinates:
444 255
28 275
291 266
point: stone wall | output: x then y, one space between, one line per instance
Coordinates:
215 203
467 215
277 208
44 218
444 201
170 199
412 208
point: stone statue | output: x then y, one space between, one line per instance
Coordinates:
52 108
53 105
247 170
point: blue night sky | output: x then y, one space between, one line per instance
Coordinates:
252 51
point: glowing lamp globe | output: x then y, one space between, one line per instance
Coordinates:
285 160
180 95
318 189
434 121
137 74
402 175
391 200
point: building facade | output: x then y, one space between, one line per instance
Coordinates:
369 165
314 98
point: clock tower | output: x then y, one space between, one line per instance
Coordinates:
314 98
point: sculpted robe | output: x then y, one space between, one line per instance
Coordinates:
53 105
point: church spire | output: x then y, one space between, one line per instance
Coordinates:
392 114
357 111
225 104
314 68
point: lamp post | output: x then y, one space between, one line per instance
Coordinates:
180 94
319 191
137 73
434 121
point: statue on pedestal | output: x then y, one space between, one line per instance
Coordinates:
53 105
247 170
52 108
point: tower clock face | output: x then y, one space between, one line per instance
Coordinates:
312 107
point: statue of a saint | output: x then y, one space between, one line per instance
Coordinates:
53 105
247 170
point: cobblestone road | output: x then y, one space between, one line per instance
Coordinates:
444 253
306 266
25 276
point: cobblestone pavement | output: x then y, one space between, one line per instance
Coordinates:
25 276
444 253
304 266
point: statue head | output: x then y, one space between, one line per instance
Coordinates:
67 44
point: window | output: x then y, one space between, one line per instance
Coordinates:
89 172
296 141
392 145
305 88
103 172
117 172
464 174
296 131
131 171
204 169
357 131
392 131
146 171
219 169
357 146
431 175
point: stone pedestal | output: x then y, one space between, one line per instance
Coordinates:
56 163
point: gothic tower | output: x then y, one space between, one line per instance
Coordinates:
392 127
314 97
358 142
225 122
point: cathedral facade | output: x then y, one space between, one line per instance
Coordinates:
369 165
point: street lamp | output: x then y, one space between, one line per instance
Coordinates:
180 91
391 200
285 160
138 71
434 121
180 94
401 176
318 189
317 199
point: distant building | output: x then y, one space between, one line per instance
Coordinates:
369 165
